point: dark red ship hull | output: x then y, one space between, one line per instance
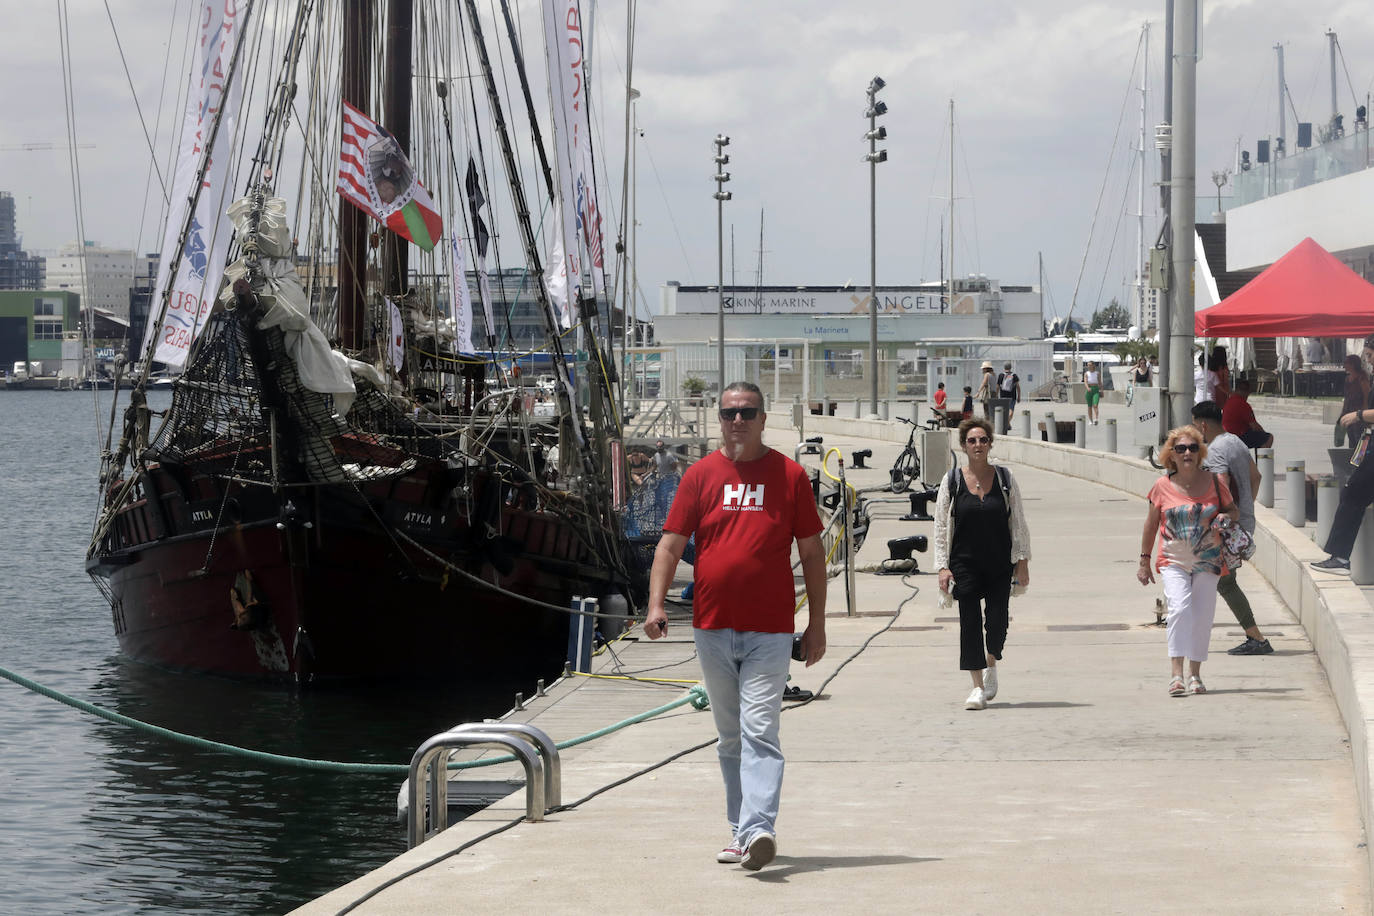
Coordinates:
336 581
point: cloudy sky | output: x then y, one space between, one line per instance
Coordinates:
1040 89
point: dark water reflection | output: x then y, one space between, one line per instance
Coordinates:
100 817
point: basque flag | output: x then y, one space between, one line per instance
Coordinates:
376 176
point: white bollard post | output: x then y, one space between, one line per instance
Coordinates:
1111 436
858 408
1265 462
1362 556
883 410
1295 492
999 419
1080 432
1025 424
1051 431
1328 498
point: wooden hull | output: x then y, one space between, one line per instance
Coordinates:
330 584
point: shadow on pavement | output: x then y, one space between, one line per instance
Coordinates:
787 866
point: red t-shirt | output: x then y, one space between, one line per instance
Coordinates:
1237 416
940 395
745 515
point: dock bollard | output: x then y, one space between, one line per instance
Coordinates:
1025 424
1080 432
1295 492
1111 436
999 419
858 408
1051 430
1328 498
1362 556
1265 461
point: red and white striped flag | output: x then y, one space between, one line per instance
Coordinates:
375 175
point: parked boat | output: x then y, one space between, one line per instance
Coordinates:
298 513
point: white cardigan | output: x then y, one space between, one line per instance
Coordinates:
944 524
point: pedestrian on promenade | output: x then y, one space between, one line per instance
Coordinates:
1358 492
968 402
1356 396
665 462
1204 380
746 503
981 542
1238 418
1183 505
1142 372
1227 455
941 399
1092 378
1221 392
985 389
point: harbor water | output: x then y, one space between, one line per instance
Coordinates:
100 817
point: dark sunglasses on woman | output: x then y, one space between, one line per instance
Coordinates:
1180 448
728 414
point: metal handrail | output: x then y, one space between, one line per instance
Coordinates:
427 757
553 768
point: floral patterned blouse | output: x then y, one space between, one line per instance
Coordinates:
1186 537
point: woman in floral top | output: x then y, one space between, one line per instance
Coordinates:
1184 504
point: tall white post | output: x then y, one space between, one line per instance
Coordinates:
1182 207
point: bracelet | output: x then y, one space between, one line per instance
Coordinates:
1144 556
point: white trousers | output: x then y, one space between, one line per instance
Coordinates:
1192 601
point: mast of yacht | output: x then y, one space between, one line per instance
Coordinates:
353 225
1139 311
951 205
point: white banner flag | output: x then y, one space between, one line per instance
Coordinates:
396 342
563 44
461 299
194 271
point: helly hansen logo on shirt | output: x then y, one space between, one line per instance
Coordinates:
743 498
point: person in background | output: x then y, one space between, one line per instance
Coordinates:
1183 504
1238 419
985 390
1009 385
981 544
1315 352
746 504
1093 380
1217 363
968 402
1142 372
1227 455
941 398
1356 396
1204 380
665 462
1356 495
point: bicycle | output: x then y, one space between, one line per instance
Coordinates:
907 467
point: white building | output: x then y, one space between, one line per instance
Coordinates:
101 276
773 331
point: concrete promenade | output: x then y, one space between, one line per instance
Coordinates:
1083 788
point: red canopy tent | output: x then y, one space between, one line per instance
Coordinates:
1306 293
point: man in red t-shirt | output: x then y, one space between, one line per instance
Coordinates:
746 504
1238 419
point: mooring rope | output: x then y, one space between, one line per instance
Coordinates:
696 697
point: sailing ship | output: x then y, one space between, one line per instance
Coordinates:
298 513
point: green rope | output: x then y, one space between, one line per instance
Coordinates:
696 696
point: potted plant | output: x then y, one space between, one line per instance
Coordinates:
693 388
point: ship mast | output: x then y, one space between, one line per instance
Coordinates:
353 222
396 90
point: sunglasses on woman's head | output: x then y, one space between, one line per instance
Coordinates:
1180 448
728 414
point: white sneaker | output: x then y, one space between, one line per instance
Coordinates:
730 855
989 683
976 700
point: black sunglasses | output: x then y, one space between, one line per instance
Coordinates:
1180 448
728 414
977 440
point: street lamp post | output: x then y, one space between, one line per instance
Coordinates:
721 197
875 155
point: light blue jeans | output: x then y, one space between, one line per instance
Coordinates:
745 674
